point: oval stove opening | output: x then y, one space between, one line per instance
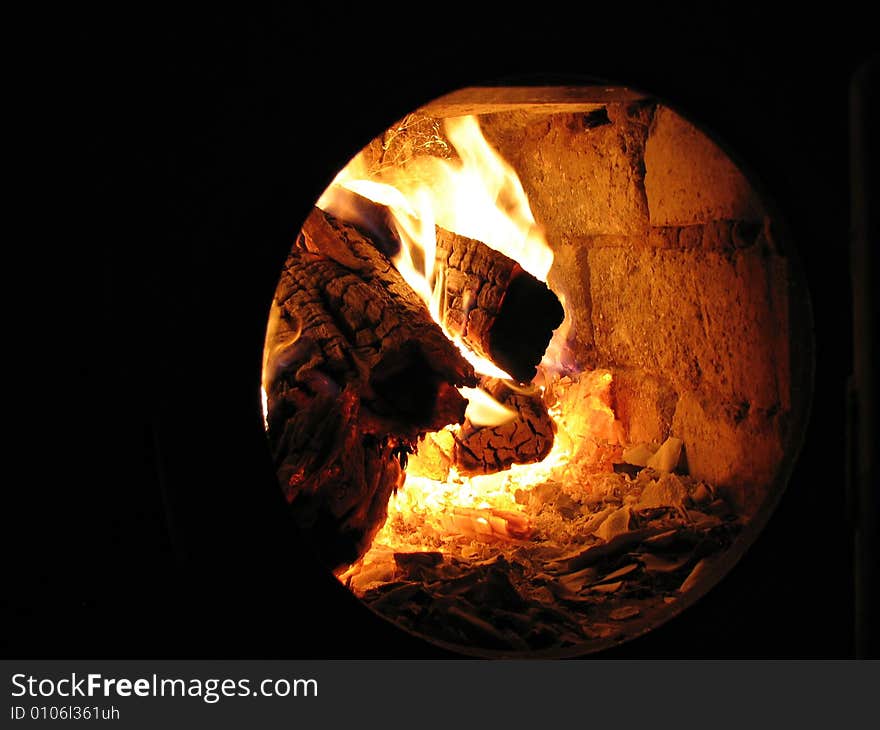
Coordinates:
537 368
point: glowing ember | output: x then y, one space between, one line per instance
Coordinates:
427 512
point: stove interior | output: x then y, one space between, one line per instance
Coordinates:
536 368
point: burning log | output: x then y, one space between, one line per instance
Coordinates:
498 309
349 329
525 439
355 372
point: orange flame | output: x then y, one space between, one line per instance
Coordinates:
479 195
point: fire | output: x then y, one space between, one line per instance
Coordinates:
478 195
484 410
430 504
272 345
481 197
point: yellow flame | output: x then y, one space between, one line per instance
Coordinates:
269 340
425 504
479 195
482 197
413 220
484 410
268 346
281 334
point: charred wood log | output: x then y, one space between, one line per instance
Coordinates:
526 439
356 372
339 327
391 335
498 309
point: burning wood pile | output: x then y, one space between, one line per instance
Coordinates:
596 568
359 372
444 460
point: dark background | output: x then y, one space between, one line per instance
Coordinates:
154 526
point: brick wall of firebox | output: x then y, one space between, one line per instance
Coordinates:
669 261
671 269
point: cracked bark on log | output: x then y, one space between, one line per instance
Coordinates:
525 440
356 371
499 310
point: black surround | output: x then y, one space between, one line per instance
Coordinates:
175 541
